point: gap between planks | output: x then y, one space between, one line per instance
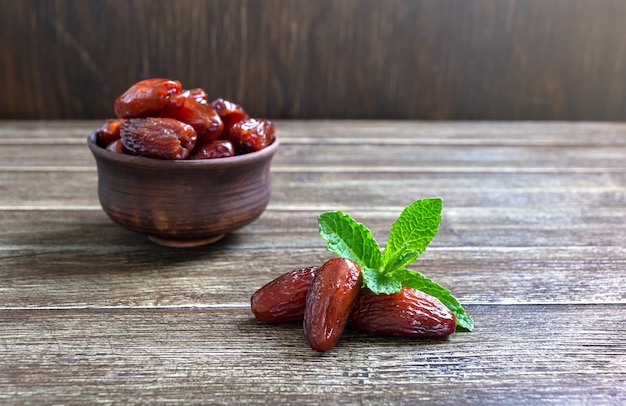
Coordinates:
367 169
246 306
342 140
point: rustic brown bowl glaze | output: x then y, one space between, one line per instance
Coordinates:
183 203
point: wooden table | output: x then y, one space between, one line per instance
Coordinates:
531 242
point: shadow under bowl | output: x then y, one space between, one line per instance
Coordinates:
183 203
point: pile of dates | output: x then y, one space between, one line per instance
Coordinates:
157 118
330 297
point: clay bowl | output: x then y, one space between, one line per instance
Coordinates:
183 203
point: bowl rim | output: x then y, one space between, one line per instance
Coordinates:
236 160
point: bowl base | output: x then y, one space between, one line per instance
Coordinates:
198 242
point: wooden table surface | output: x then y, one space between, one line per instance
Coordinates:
531 242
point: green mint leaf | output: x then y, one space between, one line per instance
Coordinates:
350 239
399 259
416 280
385 273
379 282
412 231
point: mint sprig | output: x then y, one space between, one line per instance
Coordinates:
412 232
350 239
386 273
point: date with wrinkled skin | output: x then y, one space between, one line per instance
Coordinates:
213 150
199 94
284 298
408 313
329 302
161 138
230 113
110 131
191 109
251 135
146 98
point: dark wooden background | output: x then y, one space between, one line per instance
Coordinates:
394 59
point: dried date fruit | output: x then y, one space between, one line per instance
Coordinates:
215 128
229 112
187 108
163 138
110 131
329 302
408 313
251 135
284 298
146 98
199 94
117 147
212 150
161 98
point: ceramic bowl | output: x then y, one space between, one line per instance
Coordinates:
183 203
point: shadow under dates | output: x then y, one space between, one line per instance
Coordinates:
288 337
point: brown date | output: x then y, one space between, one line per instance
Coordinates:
190 109
284 298
229 112
146 98
164 99
409 313
329 302
110 131
212 150
199 94
163 138
251 135
117 147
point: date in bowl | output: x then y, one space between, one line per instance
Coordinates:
183 203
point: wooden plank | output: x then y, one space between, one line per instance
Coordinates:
368 157
146 276
454 133
297 228
517 355
75 259
338 190
52 131
382 132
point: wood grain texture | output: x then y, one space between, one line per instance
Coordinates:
397 59
531 242
517 355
